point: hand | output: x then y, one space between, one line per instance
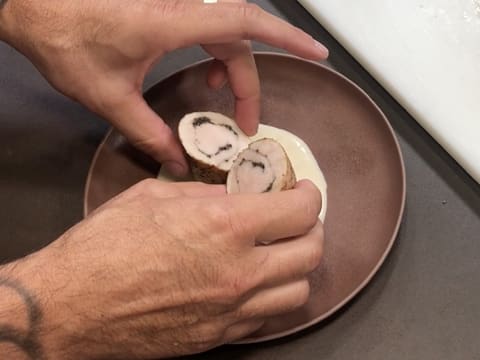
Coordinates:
98 52
172 269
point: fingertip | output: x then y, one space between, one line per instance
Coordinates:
321 50
247 116
251 130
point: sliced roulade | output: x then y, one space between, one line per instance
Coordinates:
212 142
262 167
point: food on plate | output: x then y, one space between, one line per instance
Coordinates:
263 166
212 142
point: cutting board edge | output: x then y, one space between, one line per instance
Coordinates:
445 143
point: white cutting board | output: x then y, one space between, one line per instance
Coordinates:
426 54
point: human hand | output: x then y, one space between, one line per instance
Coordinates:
98 52
172 269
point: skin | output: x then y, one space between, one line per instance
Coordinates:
98 53
134 279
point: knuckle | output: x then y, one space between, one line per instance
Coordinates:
170 7
298 296
249 13
135 190
314 259
250 10
303 293
310 218
149 184
320 232
225 219
146 187
217 215
233 284
315 254
211 333
311 204
234 287
206 336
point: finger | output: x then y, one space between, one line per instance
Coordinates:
288 260
224 23
269 217
239 66
242 330
148 132
217 75
243 78
274 301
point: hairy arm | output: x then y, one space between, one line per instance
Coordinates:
20 319
30 318
99 52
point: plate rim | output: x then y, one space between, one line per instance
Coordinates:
394 235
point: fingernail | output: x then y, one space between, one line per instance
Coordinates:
176 169
321 48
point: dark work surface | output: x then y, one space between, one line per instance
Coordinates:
423 304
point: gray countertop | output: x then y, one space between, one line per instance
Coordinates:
423 304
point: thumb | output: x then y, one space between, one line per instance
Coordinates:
148 132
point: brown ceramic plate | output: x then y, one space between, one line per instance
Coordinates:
348 134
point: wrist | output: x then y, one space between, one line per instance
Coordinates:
28 321
20 316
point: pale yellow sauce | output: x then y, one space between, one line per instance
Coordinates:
304 163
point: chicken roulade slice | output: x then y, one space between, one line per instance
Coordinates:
212 142
262 167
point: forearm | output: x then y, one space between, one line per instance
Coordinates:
20 318
31 317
